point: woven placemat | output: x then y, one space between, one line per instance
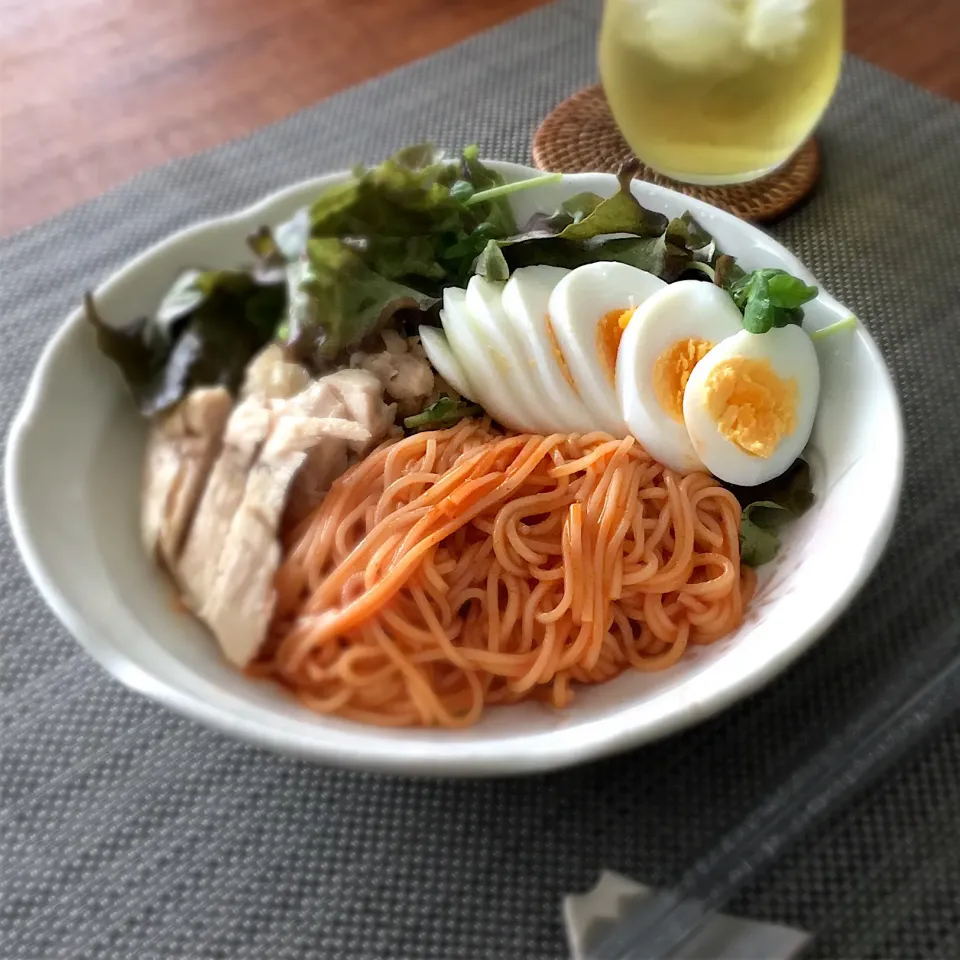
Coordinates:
127 832
580 135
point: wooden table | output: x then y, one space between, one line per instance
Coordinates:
93 91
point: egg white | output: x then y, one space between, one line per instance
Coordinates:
791 354
443 360
488 386
526 303
578 303
506 351
687 309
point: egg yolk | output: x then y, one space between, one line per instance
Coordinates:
672 371
752 406
609 333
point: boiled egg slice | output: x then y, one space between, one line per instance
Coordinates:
662 344
750 403
507 352
526 302
589 309
441 357
487 384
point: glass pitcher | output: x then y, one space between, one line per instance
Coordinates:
719 91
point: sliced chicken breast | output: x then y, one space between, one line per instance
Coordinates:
354 395
181 449
245 434
401 367
270 374
232 551
240 606
404 376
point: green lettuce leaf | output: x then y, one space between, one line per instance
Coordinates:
445 412
397 257
388 239
587 228
770 298
759 542
767 507
685 232
586 216
658 255
410 217
398 198
726 271
496 213
492 264
335 300
204 332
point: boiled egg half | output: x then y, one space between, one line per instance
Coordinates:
664 340
750 403
589 310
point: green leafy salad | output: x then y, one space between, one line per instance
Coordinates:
390 249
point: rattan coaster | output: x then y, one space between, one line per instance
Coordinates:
580 135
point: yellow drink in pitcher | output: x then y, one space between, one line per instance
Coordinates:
719 91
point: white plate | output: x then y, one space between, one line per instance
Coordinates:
73 469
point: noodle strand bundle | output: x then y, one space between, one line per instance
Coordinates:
464 567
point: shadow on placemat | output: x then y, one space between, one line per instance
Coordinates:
128 832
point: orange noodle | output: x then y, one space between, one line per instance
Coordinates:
461 567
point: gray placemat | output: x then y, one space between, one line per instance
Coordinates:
127 832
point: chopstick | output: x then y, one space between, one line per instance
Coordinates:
905 710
